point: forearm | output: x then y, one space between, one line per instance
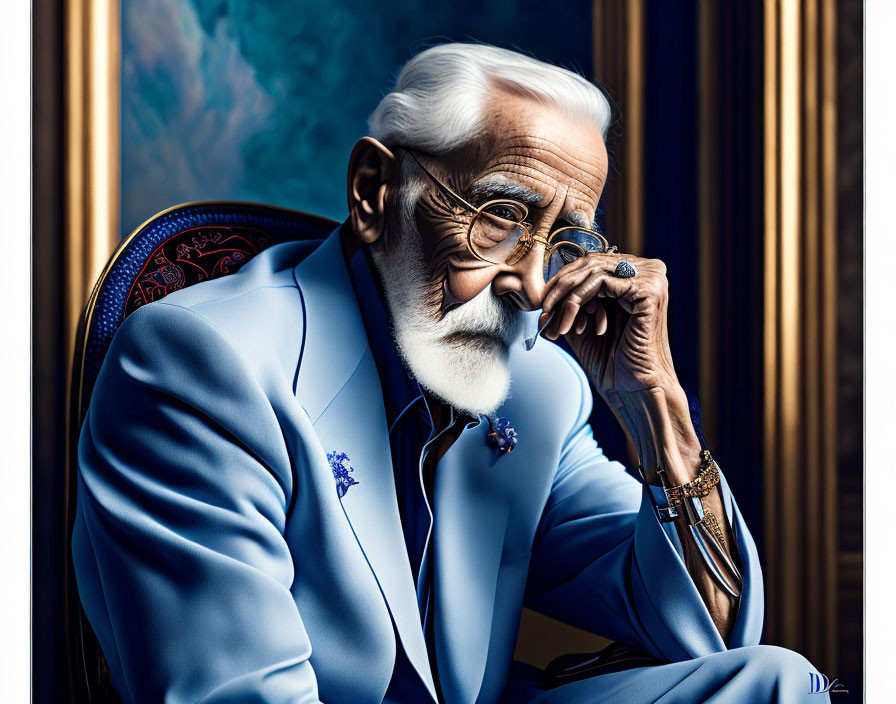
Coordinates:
659 423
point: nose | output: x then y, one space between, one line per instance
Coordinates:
523 282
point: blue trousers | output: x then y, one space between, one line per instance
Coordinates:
759 674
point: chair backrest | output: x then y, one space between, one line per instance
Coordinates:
179 247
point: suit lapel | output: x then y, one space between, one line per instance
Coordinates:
338 385
333 339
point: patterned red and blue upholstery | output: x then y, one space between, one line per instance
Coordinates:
177 248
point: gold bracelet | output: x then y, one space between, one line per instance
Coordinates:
706 480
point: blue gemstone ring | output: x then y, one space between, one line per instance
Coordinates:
624 270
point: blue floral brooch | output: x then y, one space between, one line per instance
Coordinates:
502 436
342 470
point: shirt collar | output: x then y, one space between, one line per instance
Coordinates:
400 390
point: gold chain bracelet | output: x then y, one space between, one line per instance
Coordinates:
706 480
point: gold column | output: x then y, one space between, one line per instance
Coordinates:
619 64
92 57
799 329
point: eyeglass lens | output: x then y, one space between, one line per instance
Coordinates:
498 228
567 245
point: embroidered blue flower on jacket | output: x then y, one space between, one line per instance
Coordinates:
342 470
502 436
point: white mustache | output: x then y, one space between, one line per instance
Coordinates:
486 314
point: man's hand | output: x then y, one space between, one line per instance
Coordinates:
617 329
616 326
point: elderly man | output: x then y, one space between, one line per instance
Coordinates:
348 466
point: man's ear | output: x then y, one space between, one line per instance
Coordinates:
370 168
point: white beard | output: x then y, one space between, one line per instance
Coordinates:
462 358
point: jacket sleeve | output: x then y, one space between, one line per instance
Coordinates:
178 546
603 562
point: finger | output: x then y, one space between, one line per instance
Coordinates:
627 292
563 319
591 311
562 284
581 322
588 292
574 273
610 260
600 320
576 264
586 279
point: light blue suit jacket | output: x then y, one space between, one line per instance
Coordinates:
217 563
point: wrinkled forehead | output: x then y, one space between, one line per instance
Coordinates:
542 150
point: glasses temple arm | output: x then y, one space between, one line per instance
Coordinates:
439 183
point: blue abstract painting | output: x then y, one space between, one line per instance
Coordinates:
263 101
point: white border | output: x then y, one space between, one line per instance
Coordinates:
15 358
15 293
880 335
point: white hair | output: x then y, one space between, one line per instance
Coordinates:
438 103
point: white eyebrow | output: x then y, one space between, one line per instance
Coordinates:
579 219
498 186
